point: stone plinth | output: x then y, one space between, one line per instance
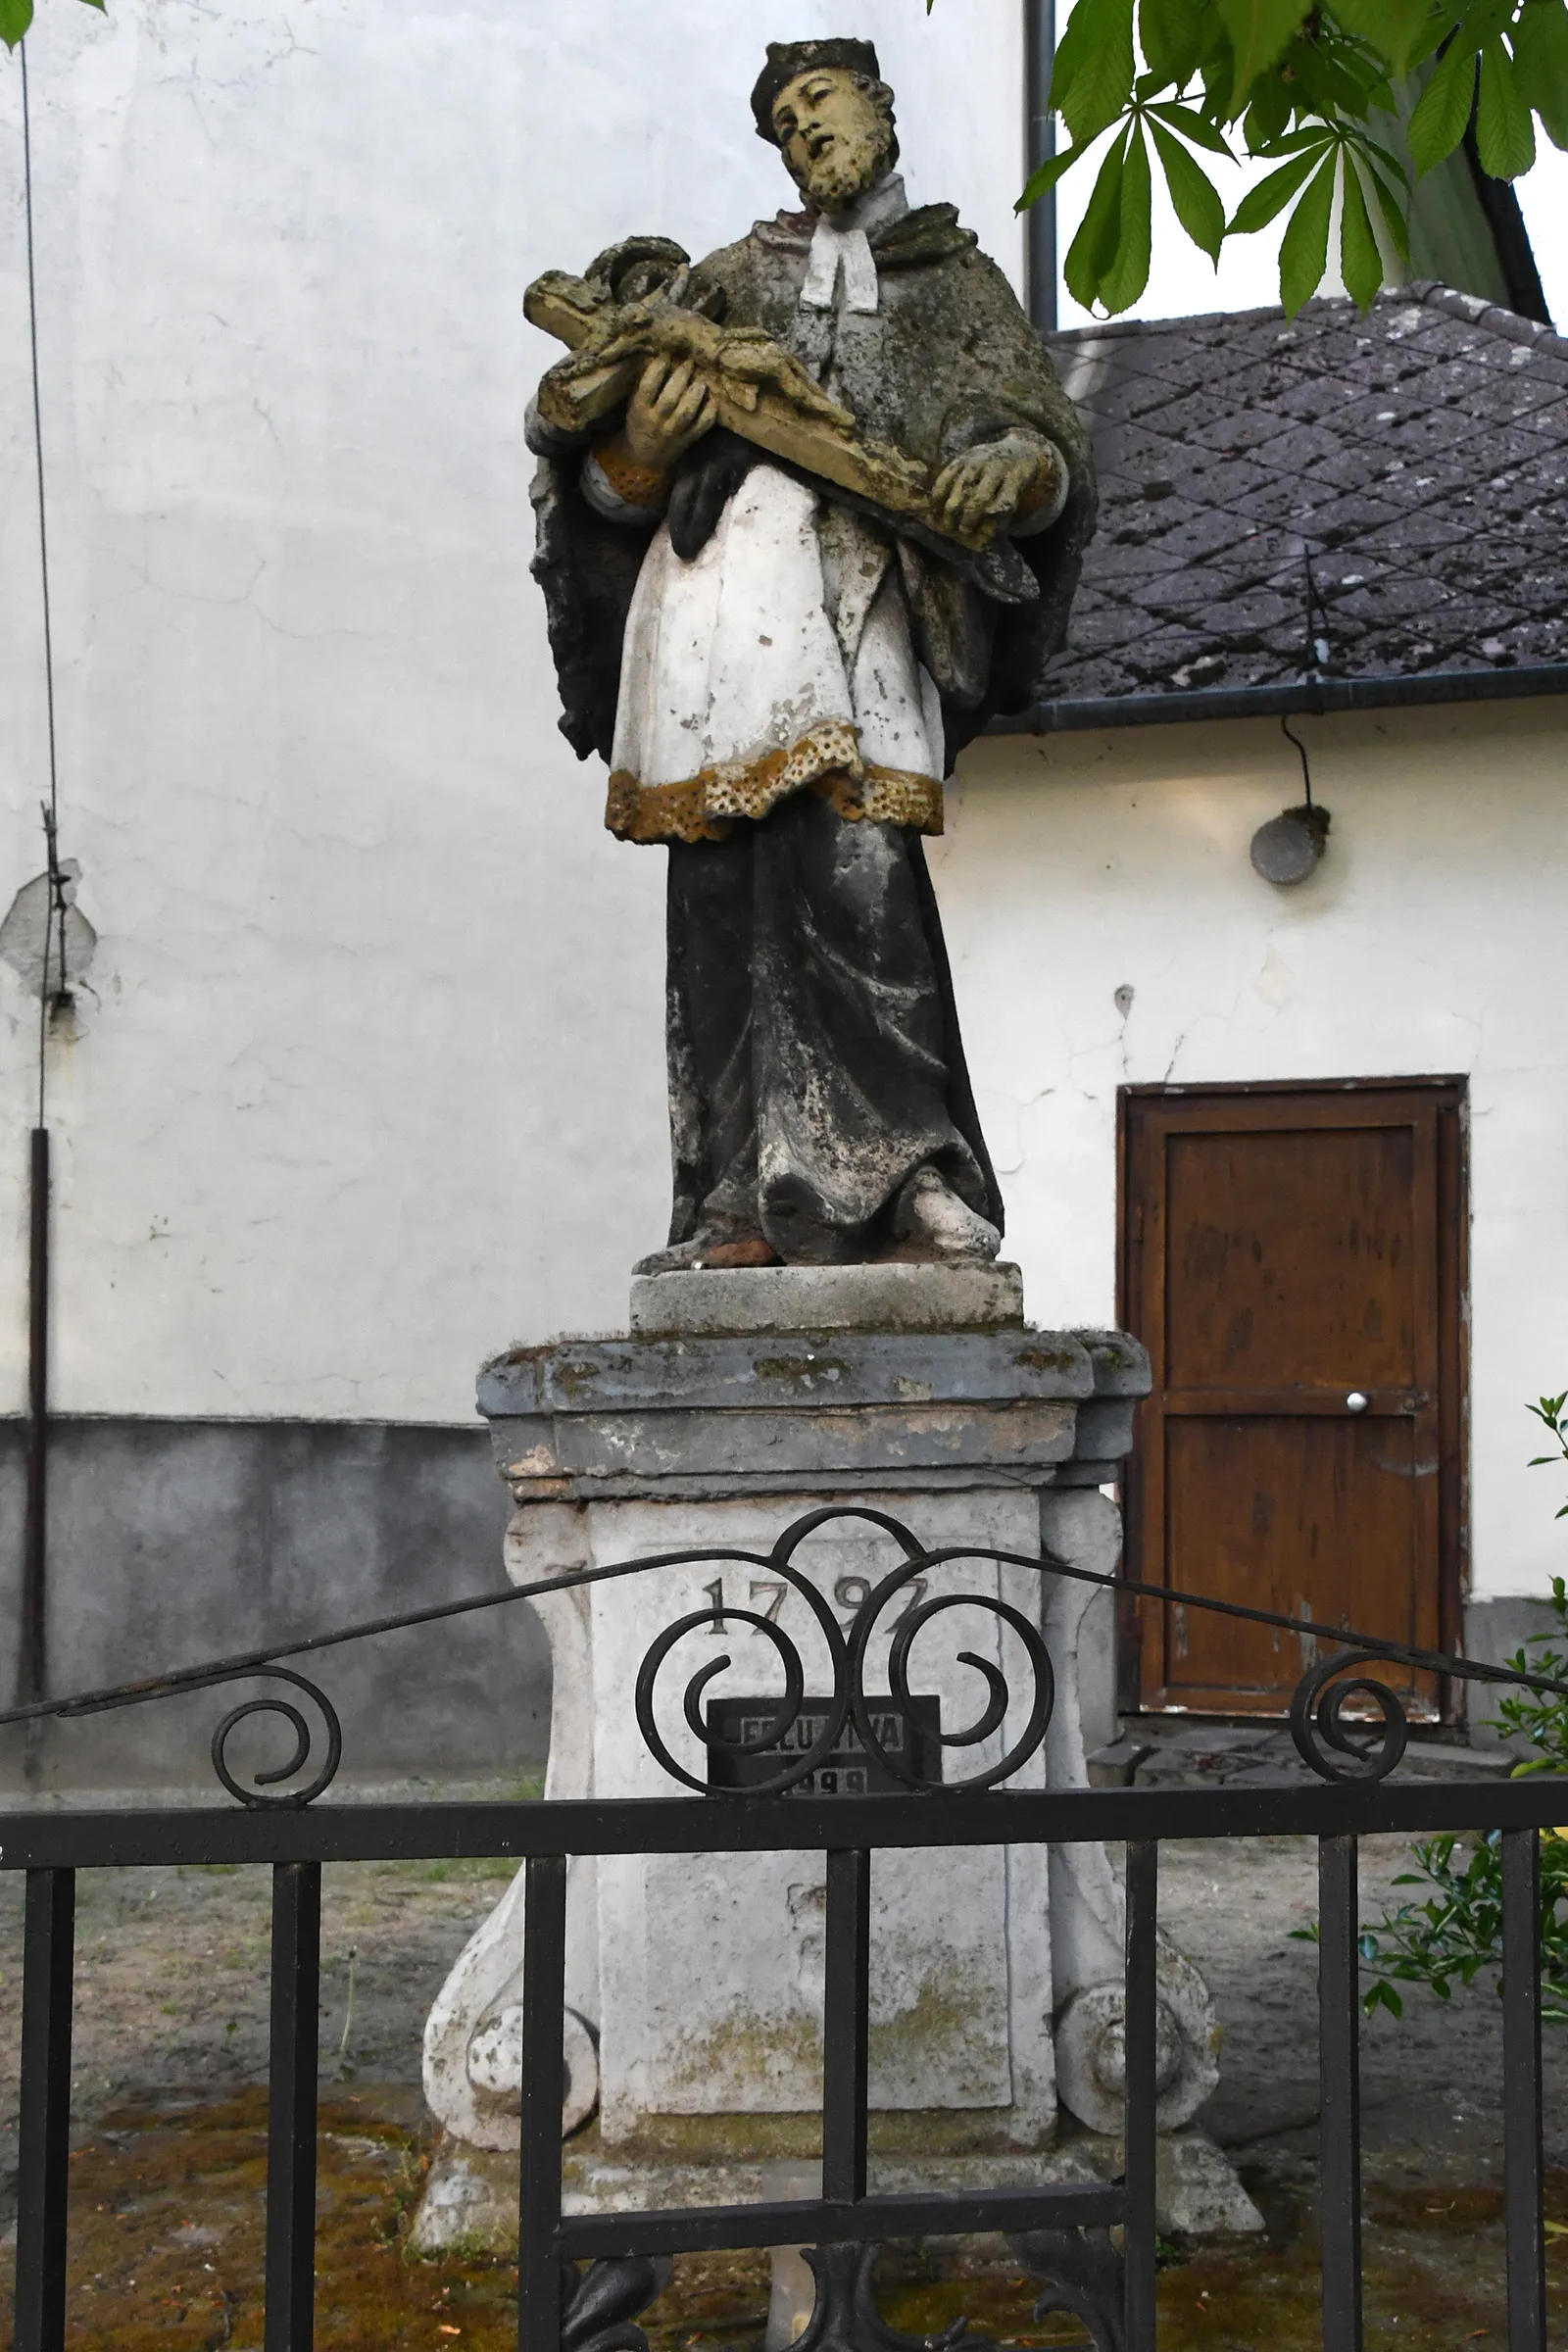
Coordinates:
790 1413
695 1981
890 1296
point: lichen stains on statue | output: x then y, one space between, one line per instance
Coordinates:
810 512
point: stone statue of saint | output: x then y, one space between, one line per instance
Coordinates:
809 515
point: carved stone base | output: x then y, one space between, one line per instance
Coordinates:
470 2198
997 1971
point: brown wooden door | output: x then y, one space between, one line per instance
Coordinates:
1286 1251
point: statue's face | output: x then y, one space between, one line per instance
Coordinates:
836 138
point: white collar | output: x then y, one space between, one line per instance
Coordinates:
842 246
885 203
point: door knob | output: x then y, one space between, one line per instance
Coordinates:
1357 1402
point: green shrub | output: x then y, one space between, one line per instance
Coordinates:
1455 1933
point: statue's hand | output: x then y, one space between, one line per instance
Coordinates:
986 485
671 409
751 356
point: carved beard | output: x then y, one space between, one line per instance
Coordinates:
849 168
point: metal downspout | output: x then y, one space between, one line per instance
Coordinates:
1039 141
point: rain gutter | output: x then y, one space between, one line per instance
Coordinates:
1314 696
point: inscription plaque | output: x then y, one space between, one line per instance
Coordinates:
849 1769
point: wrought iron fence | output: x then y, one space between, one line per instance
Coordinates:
1091 2246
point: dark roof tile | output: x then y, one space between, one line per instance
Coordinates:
1406 539
1146 660
1536 463
1199 532
1221 481
1505 391
1300 448
1329 517
1191 589
1309 400
1232 449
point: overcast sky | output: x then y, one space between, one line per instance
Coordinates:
1183 281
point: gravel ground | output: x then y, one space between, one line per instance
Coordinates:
1232 1904
172 1973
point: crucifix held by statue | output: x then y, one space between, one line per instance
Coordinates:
810 513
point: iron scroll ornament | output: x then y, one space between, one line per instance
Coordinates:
1082 2272
1334 1744
1000 1695
264 1794
780 1725
261 1794
850 1698
1083 2277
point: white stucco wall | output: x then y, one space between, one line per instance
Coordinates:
1429 941
369 1077
370 1080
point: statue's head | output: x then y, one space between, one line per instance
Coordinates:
825 107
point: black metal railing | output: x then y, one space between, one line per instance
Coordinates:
1063 2235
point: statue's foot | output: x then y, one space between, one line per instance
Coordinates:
713 1245
752 1251
931 1219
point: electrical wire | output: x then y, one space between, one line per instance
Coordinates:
1318 621
1306 772
55 899
1317 655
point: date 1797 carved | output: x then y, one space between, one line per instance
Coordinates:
810 512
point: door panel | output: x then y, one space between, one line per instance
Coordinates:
1295 1516
1284 1249
1291 1258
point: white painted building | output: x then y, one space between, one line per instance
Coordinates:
365 1079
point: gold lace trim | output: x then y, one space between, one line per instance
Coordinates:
638 485
827 760
885 796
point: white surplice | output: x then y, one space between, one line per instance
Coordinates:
781 653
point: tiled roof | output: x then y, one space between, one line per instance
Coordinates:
1375 499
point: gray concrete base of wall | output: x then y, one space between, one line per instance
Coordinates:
1494 1630
172 1543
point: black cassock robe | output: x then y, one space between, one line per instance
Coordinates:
815 1054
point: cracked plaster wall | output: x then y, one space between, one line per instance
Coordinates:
1429 941
370 1080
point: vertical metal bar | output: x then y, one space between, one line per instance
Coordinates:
43 2167
1040 145
33 1663
544 2000
846 2019
1139 2118
291 2107
1521 2088
1339 2093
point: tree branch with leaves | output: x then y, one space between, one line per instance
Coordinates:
17 15
1350 101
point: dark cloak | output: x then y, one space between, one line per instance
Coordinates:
814 1053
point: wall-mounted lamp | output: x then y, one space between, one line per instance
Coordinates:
1289 847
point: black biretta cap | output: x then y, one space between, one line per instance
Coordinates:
788 59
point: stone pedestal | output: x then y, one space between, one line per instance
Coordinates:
741 1401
